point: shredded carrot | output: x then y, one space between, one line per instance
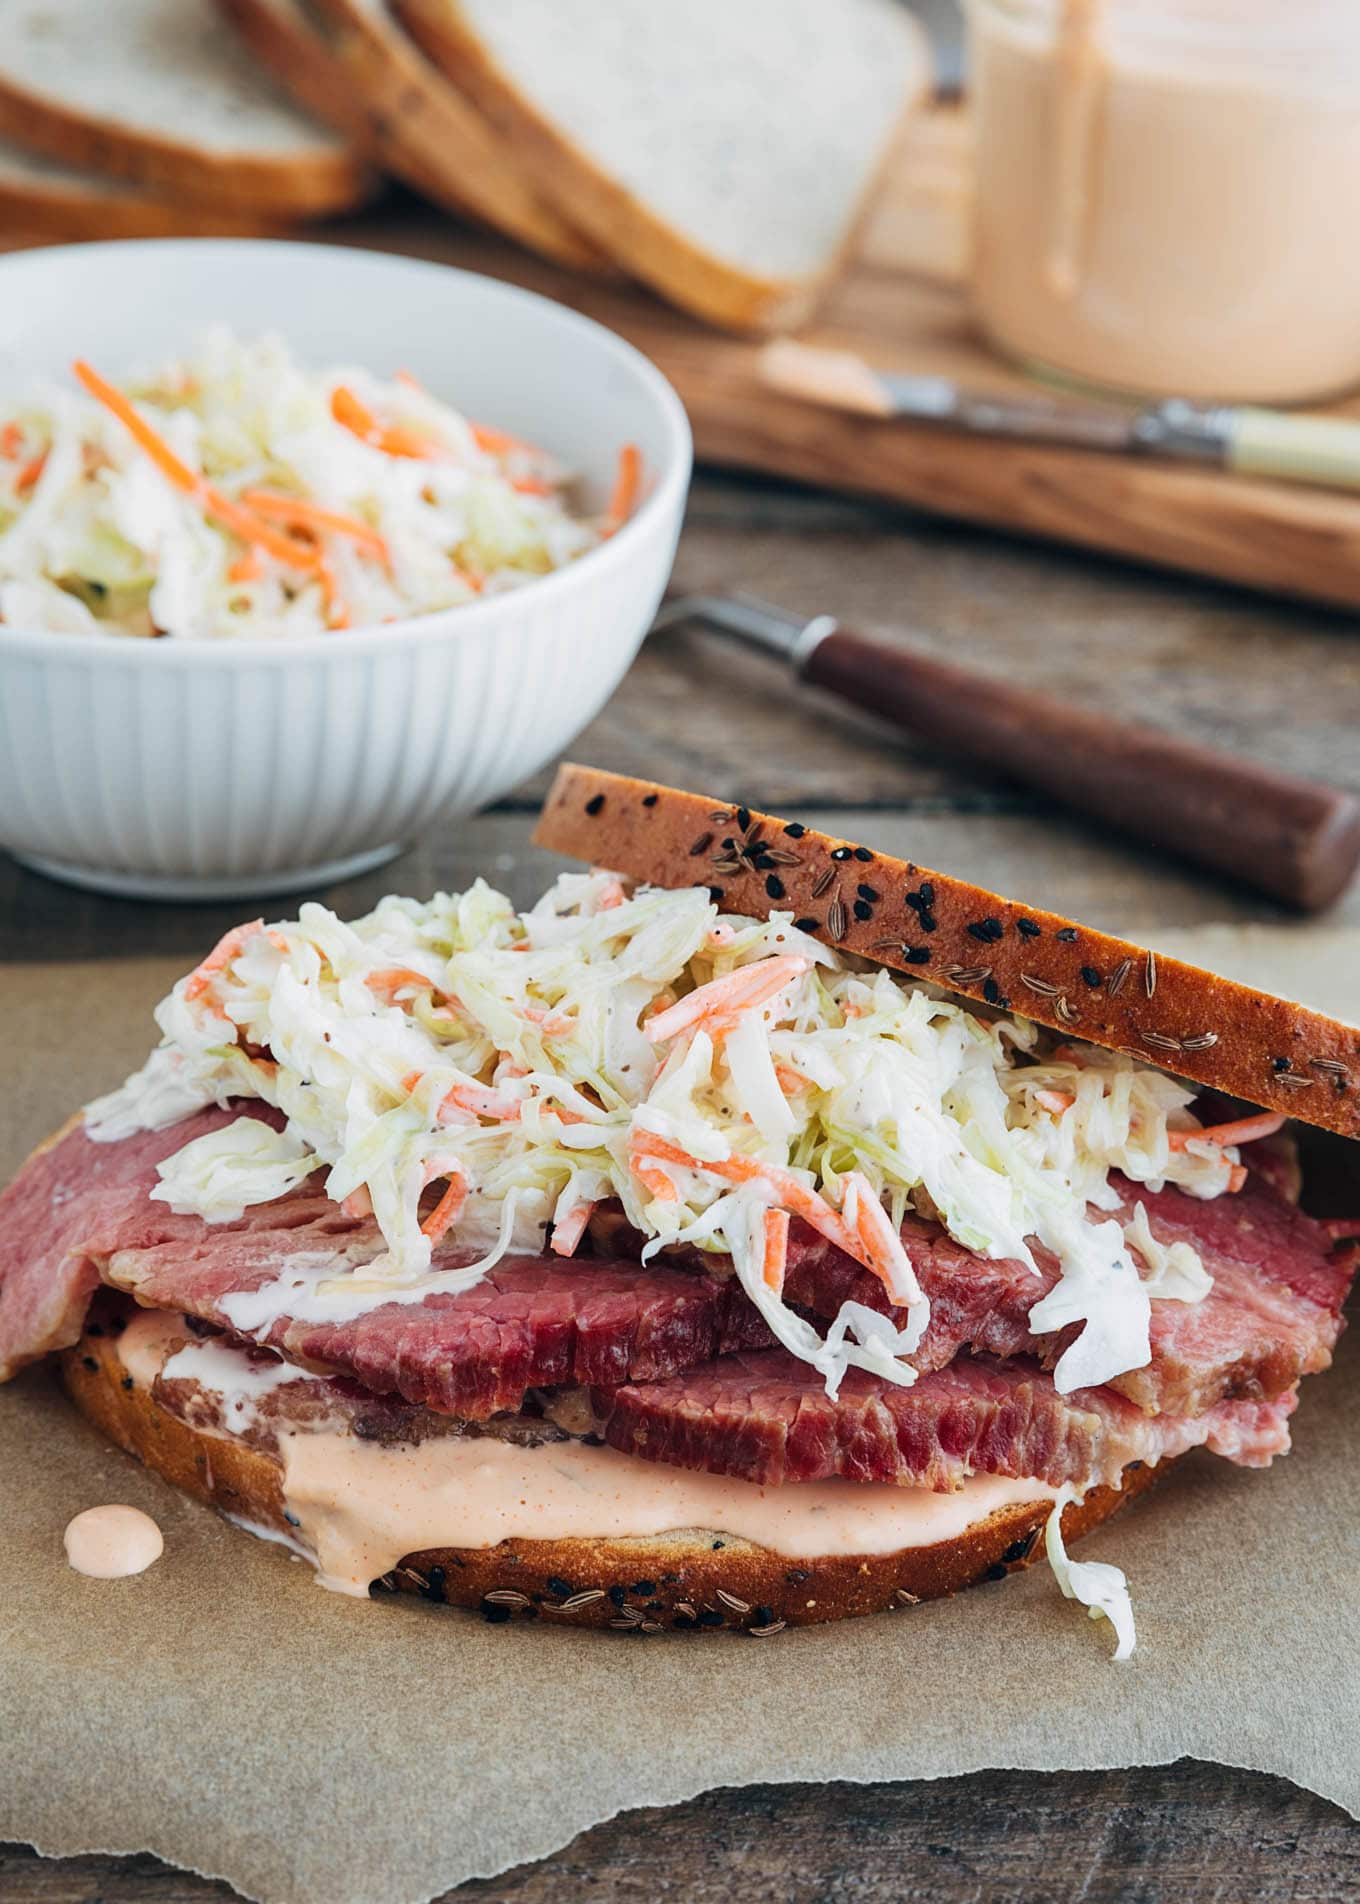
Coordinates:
738 1168
394 439
531 486
294 510
623 501
1237 1176
1055 1101
776 1249
500 442
277 940
1245 1130
482 1101
230 514
791 1082
394 977
446 1210
246 568
332 600
569 1229
11 442
358 1203
31 471
873 1231
551 1024
220 957
611 896
722 999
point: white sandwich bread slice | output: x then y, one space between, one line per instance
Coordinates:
349 63
163 94
44 199
723 154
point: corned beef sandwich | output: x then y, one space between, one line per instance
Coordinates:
814 1240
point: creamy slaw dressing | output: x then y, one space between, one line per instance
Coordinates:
95 537
507 1056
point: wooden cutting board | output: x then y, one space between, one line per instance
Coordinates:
902 304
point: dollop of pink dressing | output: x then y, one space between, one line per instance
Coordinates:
109 1543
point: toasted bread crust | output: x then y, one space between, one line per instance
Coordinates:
622 223
1246 1043
695 1580
347 67
297 185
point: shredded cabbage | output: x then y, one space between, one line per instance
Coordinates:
94 537
479 1076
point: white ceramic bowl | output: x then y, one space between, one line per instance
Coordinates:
201 771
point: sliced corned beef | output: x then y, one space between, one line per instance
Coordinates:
766 1417
69 1206
1272 1316
531 1322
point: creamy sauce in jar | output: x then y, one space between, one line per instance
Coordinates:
109 1543
1165 192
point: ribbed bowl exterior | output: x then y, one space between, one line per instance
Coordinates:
251 767
200 769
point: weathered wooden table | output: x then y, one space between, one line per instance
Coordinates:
1280 682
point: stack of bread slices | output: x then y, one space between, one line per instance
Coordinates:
723 152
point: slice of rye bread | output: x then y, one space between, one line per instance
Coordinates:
723 154
350 64
44 199
695 1579
1021 958
163 93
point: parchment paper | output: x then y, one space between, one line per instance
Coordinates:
224 1712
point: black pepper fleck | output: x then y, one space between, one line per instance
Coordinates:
718 1545
1068 934
593 806
128 1382
774 886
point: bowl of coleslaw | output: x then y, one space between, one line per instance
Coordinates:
301 549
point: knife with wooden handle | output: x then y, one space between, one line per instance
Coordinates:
1288 837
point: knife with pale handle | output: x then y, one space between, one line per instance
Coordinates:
1295 447
1292 838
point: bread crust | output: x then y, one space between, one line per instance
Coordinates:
1230 1037
285 186
46 208
692 1581
351 69
621 222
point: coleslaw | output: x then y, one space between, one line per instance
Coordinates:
238 494
477 1077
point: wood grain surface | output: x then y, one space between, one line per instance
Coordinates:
1176 1834
1282 682
901 305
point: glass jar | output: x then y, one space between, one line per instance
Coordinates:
1168 192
